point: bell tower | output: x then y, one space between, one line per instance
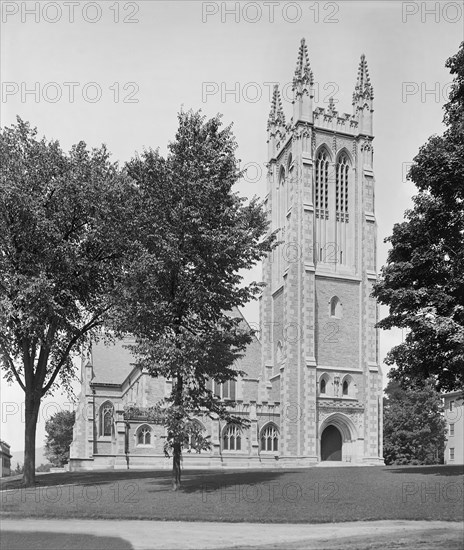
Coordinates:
320 346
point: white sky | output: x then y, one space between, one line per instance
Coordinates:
174 52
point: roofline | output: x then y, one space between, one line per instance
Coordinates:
453 393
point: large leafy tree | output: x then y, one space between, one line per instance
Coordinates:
59 430
423 280
183 293
414 429
64 239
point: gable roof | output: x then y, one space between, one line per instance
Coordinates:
112 363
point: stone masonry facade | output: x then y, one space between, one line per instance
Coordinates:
313 384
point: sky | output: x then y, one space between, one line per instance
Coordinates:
118 72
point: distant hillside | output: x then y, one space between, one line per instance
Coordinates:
18 456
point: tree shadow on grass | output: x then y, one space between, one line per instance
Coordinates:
94 477
436 470
209 481
192 480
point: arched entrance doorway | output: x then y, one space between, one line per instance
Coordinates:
331 444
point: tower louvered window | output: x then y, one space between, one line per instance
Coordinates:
322 186
341 190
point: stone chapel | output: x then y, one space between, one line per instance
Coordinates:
313 383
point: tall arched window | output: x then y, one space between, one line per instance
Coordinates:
282 200
335 307
143 435
341 188
195 429
322 185
231 438
269 438
345 387
106 418
323 383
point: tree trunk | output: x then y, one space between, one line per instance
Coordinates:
176 455
32 414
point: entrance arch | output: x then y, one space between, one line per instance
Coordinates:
347 431
331 444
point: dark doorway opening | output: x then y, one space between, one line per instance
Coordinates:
331 444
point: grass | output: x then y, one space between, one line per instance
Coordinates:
302 496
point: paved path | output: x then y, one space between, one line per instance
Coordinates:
142 535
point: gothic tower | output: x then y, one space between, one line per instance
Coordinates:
320 345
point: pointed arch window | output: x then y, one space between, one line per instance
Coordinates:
194 435
345 387
322 185
144 435
283 188
323 385
341 188
232 438
335 307
269 438
106 418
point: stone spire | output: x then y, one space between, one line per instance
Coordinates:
363 99
303 72
363 88
275 124
276 116
303 82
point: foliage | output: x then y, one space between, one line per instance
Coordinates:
197 236
59 430
65 239
44 467
19 469
423 281
413 426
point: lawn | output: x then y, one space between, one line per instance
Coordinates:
305 495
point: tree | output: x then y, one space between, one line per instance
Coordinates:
423 281
65 227
59 430
186 286
414 429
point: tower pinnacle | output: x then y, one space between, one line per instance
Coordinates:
303 81
363 88
303 72
363 99
276 116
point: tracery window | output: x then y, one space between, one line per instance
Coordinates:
144 435
270 438
322 185
231 438
106 418
196 429
341 188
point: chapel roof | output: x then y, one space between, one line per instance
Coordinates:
112 363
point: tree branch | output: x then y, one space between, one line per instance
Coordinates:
88 326
10 363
